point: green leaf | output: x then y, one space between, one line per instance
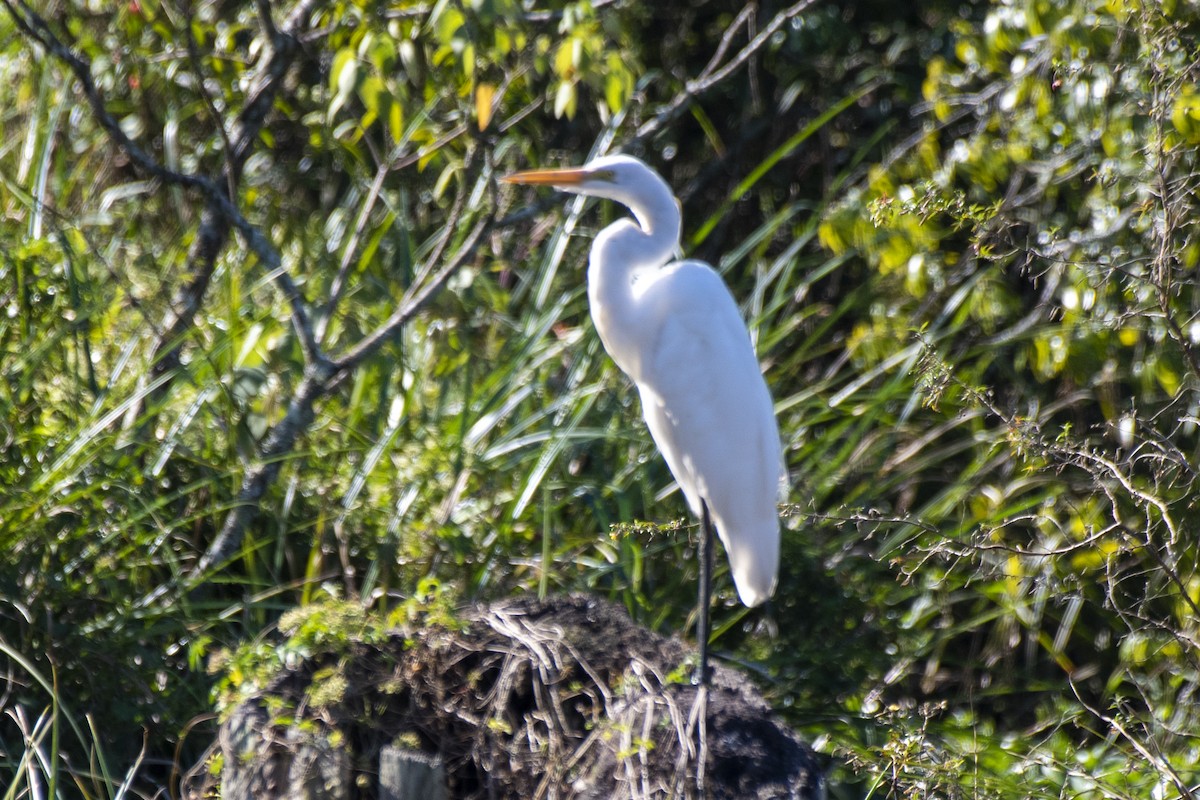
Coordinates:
343 78
565 99
375 96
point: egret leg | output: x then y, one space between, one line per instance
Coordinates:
703 622
703 630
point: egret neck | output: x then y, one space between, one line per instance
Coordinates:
619 255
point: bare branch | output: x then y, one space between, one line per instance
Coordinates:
321 374
339 280
727 37
409 309
711 76
221 212
323 377
1115 726
278 445
262 97
265 19
318 381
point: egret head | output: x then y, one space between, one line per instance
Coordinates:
624 179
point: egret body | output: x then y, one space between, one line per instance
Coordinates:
674 328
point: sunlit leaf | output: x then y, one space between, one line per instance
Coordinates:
484 94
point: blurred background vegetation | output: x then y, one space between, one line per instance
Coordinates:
964 235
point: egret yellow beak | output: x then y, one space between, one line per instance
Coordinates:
557 177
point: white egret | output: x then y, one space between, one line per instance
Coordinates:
675 330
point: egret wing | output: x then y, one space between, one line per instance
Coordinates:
709 411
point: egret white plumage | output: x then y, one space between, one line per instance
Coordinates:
674 328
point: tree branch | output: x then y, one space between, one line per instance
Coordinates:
319 380
409 309
712 75
279 443
338 286
221 210
323 377
321 374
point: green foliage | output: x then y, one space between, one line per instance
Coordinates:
1029 234
327 630
964 239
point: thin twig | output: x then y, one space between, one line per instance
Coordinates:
711 76
727 39
193 51
338 286
1161 764
370 343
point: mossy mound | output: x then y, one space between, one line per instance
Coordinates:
559 698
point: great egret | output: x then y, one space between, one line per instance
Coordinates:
675 330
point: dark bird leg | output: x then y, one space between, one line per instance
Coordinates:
703 623
703 631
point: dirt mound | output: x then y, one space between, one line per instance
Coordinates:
521 699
